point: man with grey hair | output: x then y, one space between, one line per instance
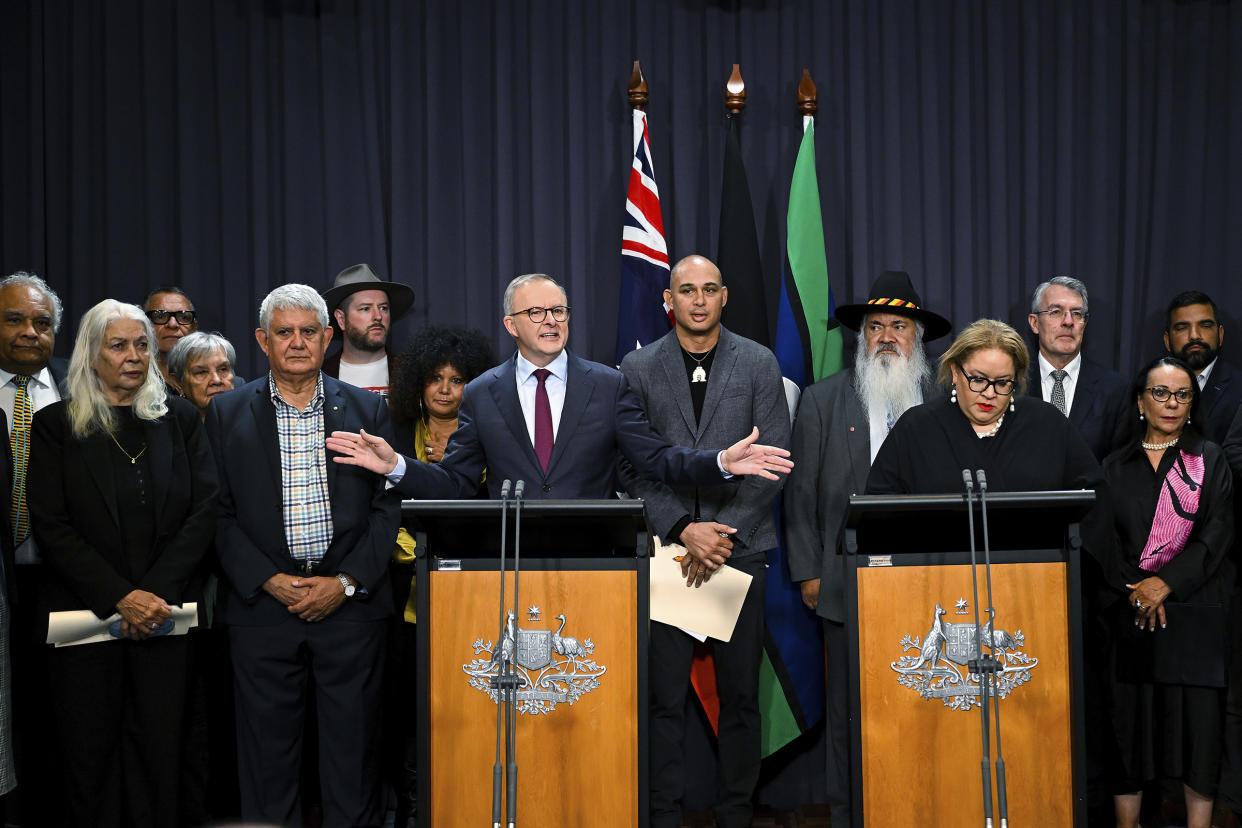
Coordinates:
1093 397
307 595
842 421
30 380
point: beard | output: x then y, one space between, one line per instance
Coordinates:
892 383
361 339
1198 360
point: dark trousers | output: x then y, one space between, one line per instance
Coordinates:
119 710
737 681
34 754
275 667
837 721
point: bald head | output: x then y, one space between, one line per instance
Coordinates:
694 263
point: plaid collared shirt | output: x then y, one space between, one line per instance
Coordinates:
304 476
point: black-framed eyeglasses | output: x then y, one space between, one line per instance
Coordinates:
1161 394
183 317
980 384
1056 312
560 313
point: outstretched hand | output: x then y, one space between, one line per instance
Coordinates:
748 457
362 449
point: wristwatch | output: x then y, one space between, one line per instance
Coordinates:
350 589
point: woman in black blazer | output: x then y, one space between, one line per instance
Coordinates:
122 490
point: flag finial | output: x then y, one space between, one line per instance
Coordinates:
735 91
808 96
638 87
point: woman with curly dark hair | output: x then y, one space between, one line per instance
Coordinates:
424 397
431 374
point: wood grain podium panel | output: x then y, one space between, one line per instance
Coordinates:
921 759
578 764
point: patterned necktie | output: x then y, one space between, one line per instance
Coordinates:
19 441
543 420
1058 391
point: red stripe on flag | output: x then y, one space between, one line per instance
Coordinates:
638 247
647 202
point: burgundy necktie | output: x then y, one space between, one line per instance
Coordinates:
543 420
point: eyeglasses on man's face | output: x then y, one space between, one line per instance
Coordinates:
1056 313
1161 394
980 384
559 313
183 317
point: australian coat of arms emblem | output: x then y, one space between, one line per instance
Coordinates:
555 668
934 673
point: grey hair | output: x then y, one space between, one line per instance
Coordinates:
23 277
292 297
89 408
527 279
195 346
1062 281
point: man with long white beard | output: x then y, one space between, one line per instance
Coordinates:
842 421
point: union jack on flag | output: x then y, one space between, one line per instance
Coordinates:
642 317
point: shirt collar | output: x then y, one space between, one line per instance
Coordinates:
1206 374
43 377
315 404
559 367
1072 368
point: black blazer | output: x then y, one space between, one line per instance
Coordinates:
601 416
1102 409
1219 402
6 542
250 532
74 514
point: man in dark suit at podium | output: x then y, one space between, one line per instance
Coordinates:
842 421
551 419
704 387
1096 400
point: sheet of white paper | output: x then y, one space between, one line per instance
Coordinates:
72 627
707 611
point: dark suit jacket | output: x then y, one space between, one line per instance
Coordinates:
74 513
832 452
1219 402
6 479
1102 408
250 533
601 416
59 368
744 390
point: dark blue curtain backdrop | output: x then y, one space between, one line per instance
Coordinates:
230 146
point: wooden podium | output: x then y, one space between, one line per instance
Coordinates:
916 757
581 643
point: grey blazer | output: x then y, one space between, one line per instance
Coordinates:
743 390
832 458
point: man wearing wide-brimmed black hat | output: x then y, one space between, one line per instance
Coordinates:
842 420
364 307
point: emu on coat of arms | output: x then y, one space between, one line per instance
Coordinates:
934 672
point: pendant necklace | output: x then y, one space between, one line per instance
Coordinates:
698 374
133 458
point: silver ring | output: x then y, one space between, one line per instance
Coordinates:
1138 603
154 626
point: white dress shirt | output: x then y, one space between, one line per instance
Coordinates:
1070 383
1205 374
528 384
43 392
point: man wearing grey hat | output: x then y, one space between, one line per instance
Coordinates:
364 307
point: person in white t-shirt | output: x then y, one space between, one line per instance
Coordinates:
364 307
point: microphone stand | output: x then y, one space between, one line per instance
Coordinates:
498 681
515 681
976 664
990 663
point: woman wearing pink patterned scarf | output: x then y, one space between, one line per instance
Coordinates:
1171 497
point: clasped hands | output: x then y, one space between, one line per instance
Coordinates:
309 597
708 547
1147 601
142 613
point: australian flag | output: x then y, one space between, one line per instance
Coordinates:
642 316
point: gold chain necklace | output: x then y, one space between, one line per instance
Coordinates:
133 458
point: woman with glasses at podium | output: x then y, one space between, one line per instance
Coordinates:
984 420
1171 589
